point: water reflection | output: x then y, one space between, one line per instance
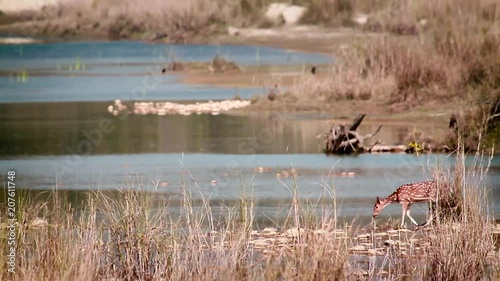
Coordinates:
68 128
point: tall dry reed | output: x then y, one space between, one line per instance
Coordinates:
134 235
461 239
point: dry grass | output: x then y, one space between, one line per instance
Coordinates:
200 18
134 236
394 71
170 21
454 59
331 13
383 70
461 241
399 17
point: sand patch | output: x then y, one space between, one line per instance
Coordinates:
23 5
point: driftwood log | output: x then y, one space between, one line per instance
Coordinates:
343 139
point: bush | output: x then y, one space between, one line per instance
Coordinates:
461 240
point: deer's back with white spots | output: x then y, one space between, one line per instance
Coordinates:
415 192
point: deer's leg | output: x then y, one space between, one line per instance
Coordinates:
430 215
408 215
404 205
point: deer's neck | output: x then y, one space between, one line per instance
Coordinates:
393 198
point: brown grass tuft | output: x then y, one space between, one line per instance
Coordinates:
461 240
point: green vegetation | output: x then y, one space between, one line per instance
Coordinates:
22 76
78 65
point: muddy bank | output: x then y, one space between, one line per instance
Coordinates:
286 83
252 76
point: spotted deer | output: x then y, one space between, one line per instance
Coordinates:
408 194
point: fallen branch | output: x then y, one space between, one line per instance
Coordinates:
343 139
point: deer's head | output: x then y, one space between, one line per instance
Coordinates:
380 204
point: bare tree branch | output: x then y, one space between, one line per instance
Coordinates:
357 121
372 134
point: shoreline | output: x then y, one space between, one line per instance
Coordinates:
372 119
255 77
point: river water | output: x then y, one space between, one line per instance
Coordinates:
57 134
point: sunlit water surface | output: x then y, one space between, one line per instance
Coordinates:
98 71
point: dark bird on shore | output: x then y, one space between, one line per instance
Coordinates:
453 122
273 93
163 70
313 70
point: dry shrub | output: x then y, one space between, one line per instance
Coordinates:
385 70
389 15
463 56
462 15
342 83
456 253
124 27
134 236
208 17
419 73
477 124
327 12
220 65
459 244
201 19
316 257
478 54
466 33
397 17
205 18
177 22
59 248
398 72
493 120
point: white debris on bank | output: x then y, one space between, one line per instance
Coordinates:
164 108
18 40
289 14
10 6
